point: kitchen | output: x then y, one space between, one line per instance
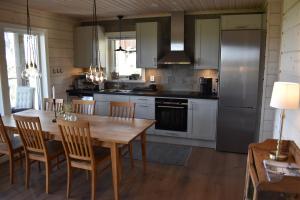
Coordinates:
202 72
191 84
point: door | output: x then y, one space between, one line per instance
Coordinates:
236 129
239 71
239 78
146 38
16 47
204 119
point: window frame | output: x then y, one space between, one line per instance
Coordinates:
110 61
44 62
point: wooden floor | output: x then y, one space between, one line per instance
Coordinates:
207 175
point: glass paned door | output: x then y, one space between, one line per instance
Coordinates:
16 45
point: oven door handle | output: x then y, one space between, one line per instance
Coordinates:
175 107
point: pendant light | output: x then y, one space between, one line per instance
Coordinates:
31 69
120 17
96 71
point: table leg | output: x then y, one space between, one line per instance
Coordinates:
114 152
144 153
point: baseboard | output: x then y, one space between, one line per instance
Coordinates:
182 141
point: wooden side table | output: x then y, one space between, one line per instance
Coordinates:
257 186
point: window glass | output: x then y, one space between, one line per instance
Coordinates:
125 61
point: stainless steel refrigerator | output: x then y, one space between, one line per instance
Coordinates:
239 89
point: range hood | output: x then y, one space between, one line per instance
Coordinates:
177 55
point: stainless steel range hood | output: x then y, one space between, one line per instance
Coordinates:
176 55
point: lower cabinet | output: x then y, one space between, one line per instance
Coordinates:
144 106
144 109
204 118
102 108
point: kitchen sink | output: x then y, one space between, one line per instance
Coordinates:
116 91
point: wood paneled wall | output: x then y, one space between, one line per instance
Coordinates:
59 29
272 54
290 65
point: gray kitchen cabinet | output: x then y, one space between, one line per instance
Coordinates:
207 43
103 102
144 109
83 46
245 21
102 108
146 45
204 118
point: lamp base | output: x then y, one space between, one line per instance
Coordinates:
280 157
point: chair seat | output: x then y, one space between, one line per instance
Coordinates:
54 148
100 154
16 145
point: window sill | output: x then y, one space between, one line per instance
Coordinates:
127 81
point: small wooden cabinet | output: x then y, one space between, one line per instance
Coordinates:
83 46
235 22
146 45
207 43
204 118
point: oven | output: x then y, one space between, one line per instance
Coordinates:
171 114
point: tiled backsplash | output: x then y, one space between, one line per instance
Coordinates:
180 77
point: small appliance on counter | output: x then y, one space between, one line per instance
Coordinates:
205 85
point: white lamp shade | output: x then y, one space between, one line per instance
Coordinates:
285 95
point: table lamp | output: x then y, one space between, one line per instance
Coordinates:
285 96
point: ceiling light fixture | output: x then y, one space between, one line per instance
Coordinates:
120 17
31 69
96 71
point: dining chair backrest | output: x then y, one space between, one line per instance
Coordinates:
86 107
76 139
24 97
122 109
31 134
4 139
48 104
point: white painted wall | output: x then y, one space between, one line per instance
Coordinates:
290 65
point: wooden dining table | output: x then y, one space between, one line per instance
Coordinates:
107 131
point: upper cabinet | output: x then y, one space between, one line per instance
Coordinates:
146 45
83 46
207 43
249 21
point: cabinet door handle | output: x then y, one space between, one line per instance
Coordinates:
143 106
143 99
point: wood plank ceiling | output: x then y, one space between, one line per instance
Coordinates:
111 8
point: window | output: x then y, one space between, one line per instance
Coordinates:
16 45
125 62
122 62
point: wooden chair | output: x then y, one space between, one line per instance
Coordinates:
48 104
9 148
80 153
36 147
86 107
124 110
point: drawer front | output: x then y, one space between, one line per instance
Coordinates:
108 97
143 111
143 100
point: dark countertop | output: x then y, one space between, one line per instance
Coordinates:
178 94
